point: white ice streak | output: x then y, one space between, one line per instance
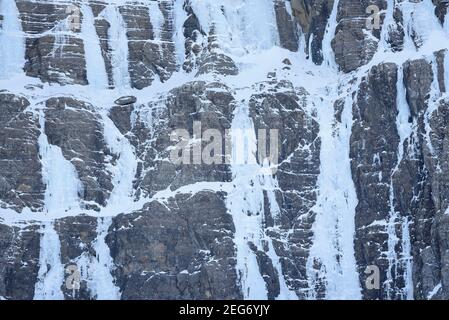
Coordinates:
156 19
61 196
334 226
446 69
246 204
118 41
12 43
403 261
123 171
96 271
420 23
328 52
50 277
388 25
180 16
59 176
95 66
240 27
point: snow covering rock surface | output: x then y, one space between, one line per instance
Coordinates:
91 90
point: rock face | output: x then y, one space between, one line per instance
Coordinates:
372 168
54 52
183 250
313 17
199 149
353 44
19 252
20 182
296 175
74 127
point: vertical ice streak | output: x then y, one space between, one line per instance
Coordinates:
328 52
156 19
407 260
61 196
124 171
96 270
102 285
51 270
420 24
12 43
402 261
334 227
446 67
59 175
95 66
433 103
237 24
180 16
407 13
118 41
387 25
246 204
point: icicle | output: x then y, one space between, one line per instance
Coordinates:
388 24
12 43
328 52
407 260
446 68
59 175
334 227
156 19
237 25
420 24
405 130
101 284
124 170
402 121
95 66
61 195
51 271
118 41
433 102
180 16
246 204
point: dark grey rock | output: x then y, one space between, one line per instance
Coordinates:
53 57
19 261
126 100
76 128
182 250
20 168
282 107
373 154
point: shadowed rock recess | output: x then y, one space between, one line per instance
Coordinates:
97 96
